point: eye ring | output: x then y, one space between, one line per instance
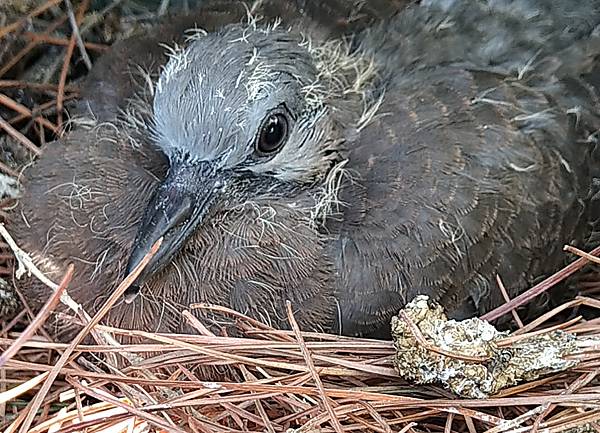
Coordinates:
273 133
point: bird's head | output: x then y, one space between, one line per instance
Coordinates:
248 113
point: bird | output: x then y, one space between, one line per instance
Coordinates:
343 168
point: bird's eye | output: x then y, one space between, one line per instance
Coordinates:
273 134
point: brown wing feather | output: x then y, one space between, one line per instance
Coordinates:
456 190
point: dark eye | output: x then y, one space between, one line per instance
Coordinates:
273 134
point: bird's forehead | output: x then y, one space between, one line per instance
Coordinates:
237 60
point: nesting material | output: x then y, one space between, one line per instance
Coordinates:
8 300
468 356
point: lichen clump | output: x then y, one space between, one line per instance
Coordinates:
466 357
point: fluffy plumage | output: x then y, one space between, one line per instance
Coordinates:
426 154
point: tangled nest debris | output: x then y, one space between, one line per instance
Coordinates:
285 380
469 356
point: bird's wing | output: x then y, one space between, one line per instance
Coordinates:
469 169
508 36
458 184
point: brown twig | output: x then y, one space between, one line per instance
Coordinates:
502 288
335 423
21 109
75 33
535 291
129 408
46 39
39 319
42 87
45 108
581 253
573 387
66 62
37 11
16 58
196 324
19 137
39 398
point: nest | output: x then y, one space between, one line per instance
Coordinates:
265 380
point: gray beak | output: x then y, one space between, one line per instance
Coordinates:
178 206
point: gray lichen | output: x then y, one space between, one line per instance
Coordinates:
9 187
586 428
465 355
8 300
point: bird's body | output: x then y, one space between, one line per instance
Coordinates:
437 149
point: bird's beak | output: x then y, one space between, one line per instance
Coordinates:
178 206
